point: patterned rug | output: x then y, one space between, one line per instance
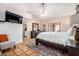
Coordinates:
45 51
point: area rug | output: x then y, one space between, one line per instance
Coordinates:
45 51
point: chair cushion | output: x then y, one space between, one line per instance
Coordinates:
3 37
6 44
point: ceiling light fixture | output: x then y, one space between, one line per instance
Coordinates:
44 12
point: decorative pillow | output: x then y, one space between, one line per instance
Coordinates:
71 31
3 38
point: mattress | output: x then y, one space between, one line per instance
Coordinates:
57 37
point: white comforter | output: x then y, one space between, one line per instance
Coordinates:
56 37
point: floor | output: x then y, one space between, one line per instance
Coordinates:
20 50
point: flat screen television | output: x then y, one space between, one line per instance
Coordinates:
12 17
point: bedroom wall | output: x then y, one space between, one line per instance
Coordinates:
65 21
29 22
14 31
74 19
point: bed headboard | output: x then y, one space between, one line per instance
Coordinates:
77 34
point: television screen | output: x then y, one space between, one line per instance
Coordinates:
14 18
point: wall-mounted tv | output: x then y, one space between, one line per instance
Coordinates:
12 17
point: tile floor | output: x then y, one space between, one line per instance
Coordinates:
20 50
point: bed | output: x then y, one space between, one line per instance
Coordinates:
57 40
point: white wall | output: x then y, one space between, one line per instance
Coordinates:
29 25
63 20
74 19
65 23
14 31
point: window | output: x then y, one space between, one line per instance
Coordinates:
54 27
57 27
51 27
44 27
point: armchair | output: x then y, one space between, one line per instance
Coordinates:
5 43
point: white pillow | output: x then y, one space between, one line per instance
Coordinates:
71 31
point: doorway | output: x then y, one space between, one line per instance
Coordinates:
24 30
35 30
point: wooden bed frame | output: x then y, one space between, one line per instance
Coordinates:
51 44
56 45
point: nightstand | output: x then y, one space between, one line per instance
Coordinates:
73 49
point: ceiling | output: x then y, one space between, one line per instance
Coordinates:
52 9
